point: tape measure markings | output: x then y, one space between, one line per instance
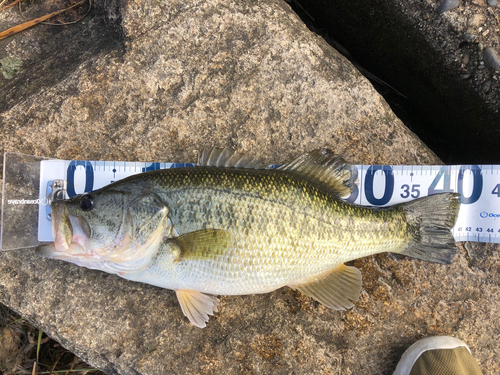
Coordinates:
378 185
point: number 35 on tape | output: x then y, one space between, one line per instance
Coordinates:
377 185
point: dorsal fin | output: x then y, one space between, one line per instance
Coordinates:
223 157
324 166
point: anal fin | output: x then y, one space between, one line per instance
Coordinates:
336 289
197 306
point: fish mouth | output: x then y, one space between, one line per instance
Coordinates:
122 255
71 235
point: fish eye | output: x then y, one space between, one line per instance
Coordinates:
87 202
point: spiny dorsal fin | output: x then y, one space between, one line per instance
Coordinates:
223 157
336 290
200 244
197 306
324 166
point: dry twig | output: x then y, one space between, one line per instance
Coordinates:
26 25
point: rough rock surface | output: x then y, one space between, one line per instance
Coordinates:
437 61
170 78
195 72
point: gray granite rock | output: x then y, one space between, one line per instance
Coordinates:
196 72
169 78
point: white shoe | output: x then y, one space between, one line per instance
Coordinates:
439 355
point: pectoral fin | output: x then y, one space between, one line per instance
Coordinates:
336 290
197 306
201 244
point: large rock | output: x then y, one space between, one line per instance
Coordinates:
168 78
196 72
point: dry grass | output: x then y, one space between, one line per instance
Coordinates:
21 344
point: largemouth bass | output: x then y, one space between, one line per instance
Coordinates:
231 226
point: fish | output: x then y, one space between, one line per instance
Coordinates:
234 226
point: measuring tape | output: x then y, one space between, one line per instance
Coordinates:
377 185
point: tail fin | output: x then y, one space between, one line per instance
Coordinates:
430 220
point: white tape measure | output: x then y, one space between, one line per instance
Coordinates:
378 185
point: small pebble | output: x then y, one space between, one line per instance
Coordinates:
465 75
447 5
469 37
491 58
492 3
486 86
481 3
475 21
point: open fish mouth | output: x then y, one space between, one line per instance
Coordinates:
121 252
71 235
